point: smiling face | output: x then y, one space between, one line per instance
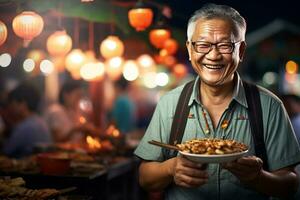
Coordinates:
214 68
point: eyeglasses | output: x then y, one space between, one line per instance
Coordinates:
222 47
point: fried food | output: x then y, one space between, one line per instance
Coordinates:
212 146
14 189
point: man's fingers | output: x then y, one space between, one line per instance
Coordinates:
188 181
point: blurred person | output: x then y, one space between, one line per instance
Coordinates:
292 104
123 113
218 109
65 119
28 129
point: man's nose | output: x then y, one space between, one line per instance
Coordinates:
213 53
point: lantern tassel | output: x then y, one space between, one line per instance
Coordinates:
26 43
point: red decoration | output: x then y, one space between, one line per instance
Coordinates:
3 33
159 36
140 16
170 46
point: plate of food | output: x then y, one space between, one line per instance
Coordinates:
212 150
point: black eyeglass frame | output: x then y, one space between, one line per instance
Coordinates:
216 45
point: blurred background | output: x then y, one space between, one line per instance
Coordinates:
124 54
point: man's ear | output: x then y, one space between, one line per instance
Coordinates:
242 50
188 46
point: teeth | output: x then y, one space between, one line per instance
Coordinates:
214 66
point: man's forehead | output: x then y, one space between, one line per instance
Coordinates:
208 27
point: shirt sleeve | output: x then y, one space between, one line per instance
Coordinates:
281 143
159 130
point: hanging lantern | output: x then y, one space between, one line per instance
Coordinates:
74 61
140 17
112 46
170 46
92 71
159 36
180 70
59 43
3 33
114 67
28 25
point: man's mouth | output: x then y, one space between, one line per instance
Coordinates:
213 66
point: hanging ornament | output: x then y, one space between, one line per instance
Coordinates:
114 67
112 46
28 25
171 46
3 33
159 36
59 43
74 61
140 17
180 70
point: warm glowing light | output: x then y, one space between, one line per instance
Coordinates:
149 80
130 70
59 43
140 18
29 65
74 61
162 79
92 71
112 46
93 143
46 67
145 61
36 55
27 25
3 33
158 37
291 67
171 46
290 78
180 70
5 60
59 63
112 131
82 120
114 67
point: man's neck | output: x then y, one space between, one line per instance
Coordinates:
216 96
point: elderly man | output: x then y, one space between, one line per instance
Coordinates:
218 109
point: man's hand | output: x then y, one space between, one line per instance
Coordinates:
247 169
189 174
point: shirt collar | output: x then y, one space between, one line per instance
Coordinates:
238 93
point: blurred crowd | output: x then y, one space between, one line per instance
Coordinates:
27 122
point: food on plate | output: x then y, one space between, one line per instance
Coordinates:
14 189
212 146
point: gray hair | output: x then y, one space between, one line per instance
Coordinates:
212 11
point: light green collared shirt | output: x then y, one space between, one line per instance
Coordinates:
281 144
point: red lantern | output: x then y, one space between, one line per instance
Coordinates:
140 17
59 43
159 36
28 25
180 70
3 33
170 46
